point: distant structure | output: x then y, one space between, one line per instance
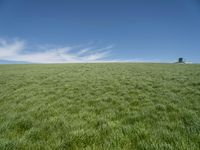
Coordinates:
183 61
180 60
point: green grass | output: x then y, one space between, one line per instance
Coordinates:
100 106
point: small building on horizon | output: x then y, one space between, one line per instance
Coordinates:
181 60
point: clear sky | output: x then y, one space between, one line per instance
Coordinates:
48 31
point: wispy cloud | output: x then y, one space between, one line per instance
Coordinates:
18 50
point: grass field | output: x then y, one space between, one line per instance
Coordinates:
100 106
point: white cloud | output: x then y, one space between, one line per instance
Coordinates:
97 56
17 50
83 51
10 48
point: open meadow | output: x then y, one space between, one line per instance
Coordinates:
100 106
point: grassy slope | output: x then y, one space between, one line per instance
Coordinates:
100 106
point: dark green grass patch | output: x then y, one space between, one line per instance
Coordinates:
100 106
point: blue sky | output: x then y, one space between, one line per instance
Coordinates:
57 31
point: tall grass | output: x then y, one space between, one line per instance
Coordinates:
100 106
